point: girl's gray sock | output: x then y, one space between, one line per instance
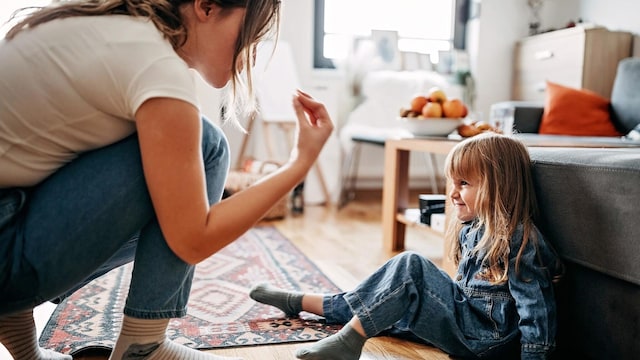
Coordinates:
347 344
289 302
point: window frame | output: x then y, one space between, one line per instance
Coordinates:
461 16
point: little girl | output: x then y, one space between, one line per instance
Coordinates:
499 304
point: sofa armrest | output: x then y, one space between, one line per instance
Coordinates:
526 114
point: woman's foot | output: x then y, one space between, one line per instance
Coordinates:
168 350
18 335
145 339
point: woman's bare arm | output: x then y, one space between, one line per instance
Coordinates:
170 136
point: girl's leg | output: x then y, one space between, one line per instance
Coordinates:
408 293
346 344
290 302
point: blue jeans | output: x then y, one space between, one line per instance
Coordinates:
91 216
411 298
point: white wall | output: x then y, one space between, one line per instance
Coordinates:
492 36
608 14
614 14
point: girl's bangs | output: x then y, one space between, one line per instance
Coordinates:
463 164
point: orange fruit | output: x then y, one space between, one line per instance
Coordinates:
432 110
418 102
453 108
437 95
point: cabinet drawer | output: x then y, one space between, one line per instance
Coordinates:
532 85
580 57
552 54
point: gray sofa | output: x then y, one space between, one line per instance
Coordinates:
589 200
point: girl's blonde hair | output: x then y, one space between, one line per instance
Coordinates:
261 20
501 167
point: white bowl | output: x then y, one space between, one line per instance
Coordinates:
429 126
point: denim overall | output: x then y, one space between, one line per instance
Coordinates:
466 316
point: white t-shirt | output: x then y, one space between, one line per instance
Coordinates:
74 84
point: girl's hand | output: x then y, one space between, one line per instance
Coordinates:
313 130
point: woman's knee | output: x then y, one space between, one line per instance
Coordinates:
215 146
215 154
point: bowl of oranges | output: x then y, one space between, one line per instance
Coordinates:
432 114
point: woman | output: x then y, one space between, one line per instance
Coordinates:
105 157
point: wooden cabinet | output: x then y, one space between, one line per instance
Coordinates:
580 57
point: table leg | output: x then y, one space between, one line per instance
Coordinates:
395 196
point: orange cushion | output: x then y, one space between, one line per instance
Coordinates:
579 112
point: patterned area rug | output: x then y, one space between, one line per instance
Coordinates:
220 312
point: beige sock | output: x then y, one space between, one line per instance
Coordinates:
18 335
146 339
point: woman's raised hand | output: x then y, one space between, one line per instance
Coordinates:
314 127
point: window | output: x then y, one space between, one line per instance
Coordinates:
8 7
423 26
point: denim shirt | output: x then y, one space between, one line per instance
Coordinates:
523 306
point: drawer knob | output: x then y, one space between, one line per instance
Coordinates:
543 54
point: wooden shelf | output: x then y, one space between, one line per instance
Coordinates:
411 218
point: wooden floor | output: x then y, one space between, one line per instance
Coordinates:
346 244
